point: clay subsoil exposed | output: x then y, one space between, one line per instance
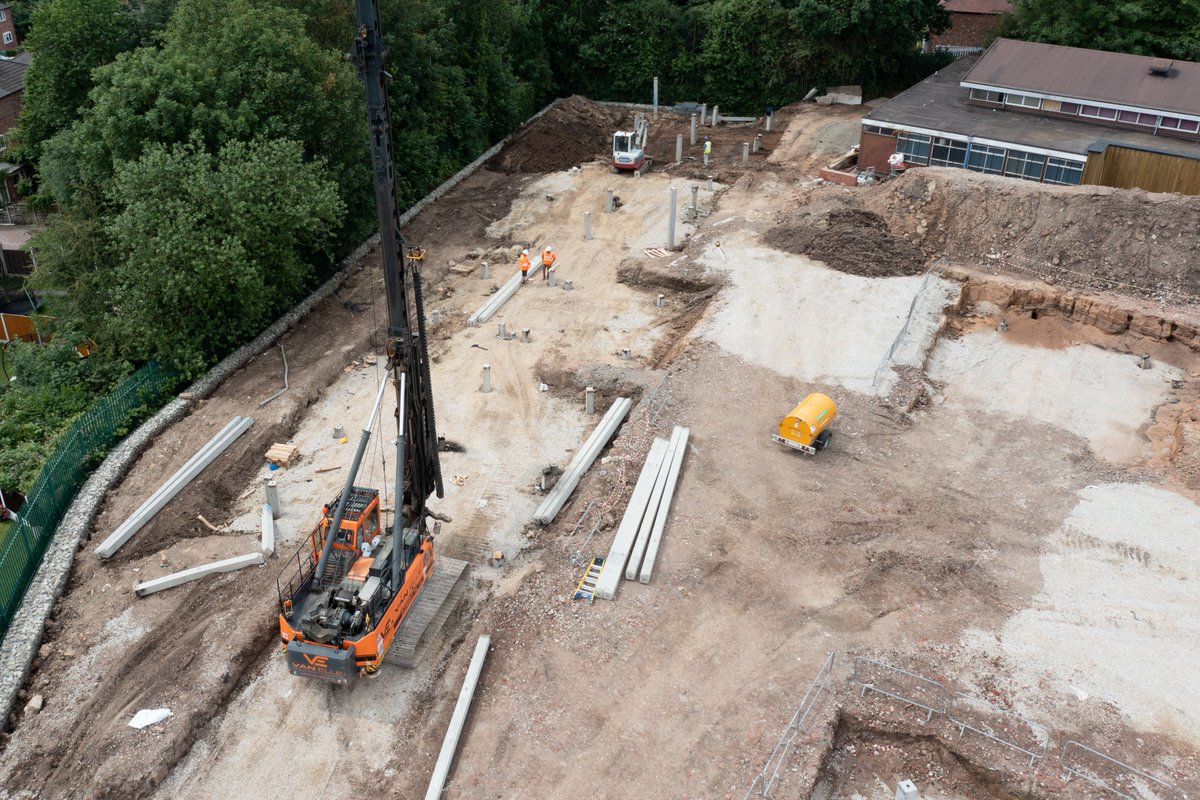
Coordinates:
921 537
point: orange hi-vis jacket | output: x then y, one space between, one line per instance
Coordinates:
524 263
548 259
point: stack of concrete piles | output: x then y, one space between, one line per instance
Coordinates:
639 535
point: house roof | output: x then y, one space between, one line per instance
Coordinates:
12 76
25 58
939 103
978 6
1098 75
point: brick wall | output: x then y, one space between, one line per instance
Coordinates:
10 107
967 30
6 26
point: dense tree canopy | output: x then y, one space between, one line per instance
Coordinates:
1163 28
231 233
69 39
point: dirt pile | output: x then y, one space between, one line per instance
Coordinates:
846 238
574 131
1090 237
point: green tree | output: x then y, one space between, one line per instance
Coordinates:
866 42
210 248
53 384
1164 28
69 39
256 75
742 54
635 41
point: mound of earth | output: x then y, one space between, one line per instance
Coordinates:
848 239
1091 237
573 132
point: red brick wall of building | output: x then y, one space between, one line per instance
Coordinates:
7 26
10 107
967 30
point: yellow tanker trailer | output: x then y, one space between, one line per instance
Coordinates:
806 428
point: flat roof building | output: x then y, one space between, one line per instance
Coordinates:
1049 113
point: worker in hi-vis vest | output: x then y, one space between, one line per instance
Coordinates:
707 150
524 266
548 259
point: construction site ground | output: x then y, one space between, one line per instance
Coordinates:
1008 508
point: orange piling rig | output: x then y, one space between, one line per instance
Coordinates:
345 593
336 631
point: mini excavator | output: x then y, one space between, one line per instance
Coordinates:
354 586
629 147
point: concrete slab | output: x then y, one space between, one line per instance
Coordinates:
1118 618
1103 396
824 326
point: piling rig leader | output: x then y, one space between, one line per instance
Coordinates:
344 594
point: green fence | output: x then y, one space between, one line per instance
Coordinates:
91 434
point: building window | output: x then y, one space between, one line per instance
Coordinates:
1097 112
1177 124
1051 105
1024 101
1060 170
8 35
985 159
3 14
1070 108
947 153
987 96
877 130
1135 118
915 147
1024 165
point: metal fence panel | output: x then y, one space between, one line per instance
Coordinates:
1113 775
91 434
1006 727
768 776
908 687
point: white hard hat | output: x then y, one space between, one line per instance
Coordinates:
548 250
524 252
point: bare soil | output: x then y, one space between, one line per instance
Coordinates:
848 239
920 533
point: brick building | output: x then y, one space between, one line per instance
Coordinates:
1051 114
973 23
8 31
12 84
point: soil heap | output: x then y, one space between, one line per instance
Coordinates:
573 132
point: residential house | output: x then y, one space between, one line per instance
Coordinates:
8 30
1049 113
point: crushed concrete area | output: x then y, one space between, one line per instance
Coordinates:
1011 513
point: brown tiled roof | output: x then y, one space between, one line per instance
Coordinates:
12 76
1099 75
978 6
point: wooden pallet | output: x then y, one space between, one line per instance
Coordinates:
433 605
283 454
657 252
